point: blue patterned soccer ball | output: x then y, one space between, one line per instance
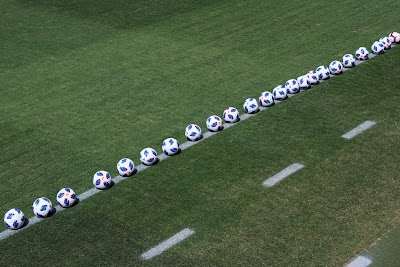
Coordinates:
125 167
193 132
66 197
14 219
250 106
280 93
102 179
378 47
394 37
322 72
266 99
148 156
170 146
314 79
348 61
292 86
304 82
41 207
336 67
214 123
231 115
386 42
362 53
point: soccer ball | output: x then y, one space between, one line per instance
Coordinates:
193 132
125 167
348 61
170 146
250 106
148 156
231 115
323 72
378 47
304 82
314 79
387 43
14 219
214 123
394 37
266 99
42 207
102 180
66 197
280 93
336 67
292 86
362 53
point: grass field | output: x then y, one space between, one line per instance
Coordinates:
84 84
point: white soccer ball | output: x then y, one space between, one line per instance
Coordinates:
348 61
323 72
314 79
386 42
394 37
292 86
362 53
231 115
214 123
125 167
304 82
336 67
250 106
266 99
170 146
193 132
148 156
102 179
42 207
280 93
378 47
14 219
66 197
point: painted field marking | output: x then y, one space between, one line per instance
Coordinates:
360 261
359 129
33 220
270 182
167 244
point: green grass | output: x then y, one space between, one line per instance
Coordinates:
85 84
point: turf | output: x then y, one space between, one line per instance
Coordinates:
85 84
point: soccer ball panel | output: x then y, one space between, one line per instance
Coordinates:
170 146
250 106
214 123
102 180
41 207
125 167
266 99
66 197
14 219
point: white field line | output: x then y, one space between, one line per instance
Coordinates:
33 220
270 182
167 244
360 261
359 129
